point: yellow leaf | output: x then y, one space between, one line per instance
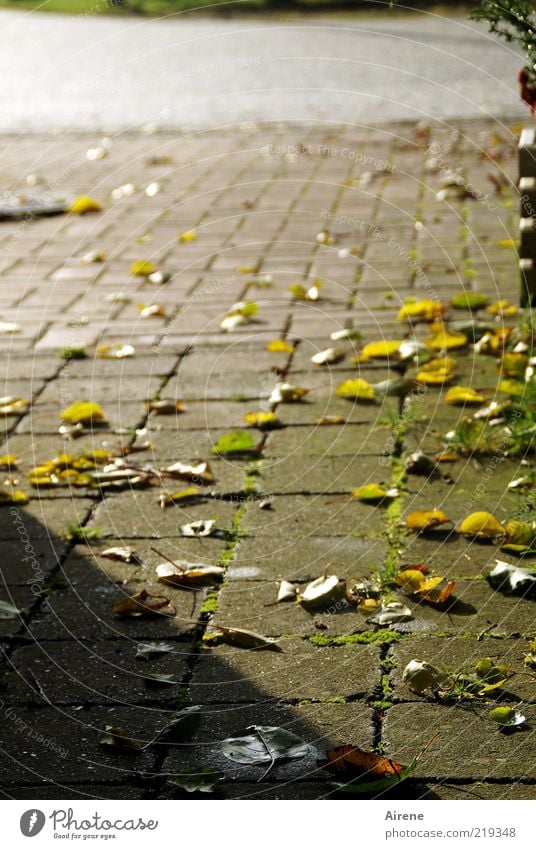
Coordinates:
425 520
481 524
370 492
142 268
507 243
185 495
83 204
83 412
410 580
264 421
279 346
8 461
442 338
503 308
437 371
151 310
382 349
459 395
188 236
514 365
425 309
357 388
512 387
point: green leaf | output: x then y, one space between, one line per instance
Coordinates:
469 301
200 780
182 727
265 744
237 442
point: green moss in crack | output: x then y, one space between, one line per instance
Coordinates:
210 604
379 637
79 534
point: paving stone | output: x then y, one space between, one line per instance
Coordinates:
470 745
62 746
313 516
138 514
321 474
318 441
26 562
43 518
300 671
107 671
304 559
75 791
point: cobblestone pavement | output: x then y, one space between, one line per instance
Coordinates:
271 206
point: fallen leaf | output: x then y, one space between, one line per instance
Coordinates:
287 592
328 356
200 472
323 592
383 349
373 492
265 744
279 346
115 352
142 268
391 613
237 442
241 638
199 528
426 520
197 780
8 611
115 737
9 327
507 717
502 308
184 496
425 309
189 575
10 405
181 728
437 371
331 420
125 555
83 204
460 395
151 310
357 389
421 677
146 651
443 339
482 525
187 236
142 604
512 579
285 393
469 301
83 412
262 420
8 462
165 407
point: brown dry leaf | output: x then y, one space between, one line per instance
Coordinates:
115 737
426 520
356 763
143 604
331 420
